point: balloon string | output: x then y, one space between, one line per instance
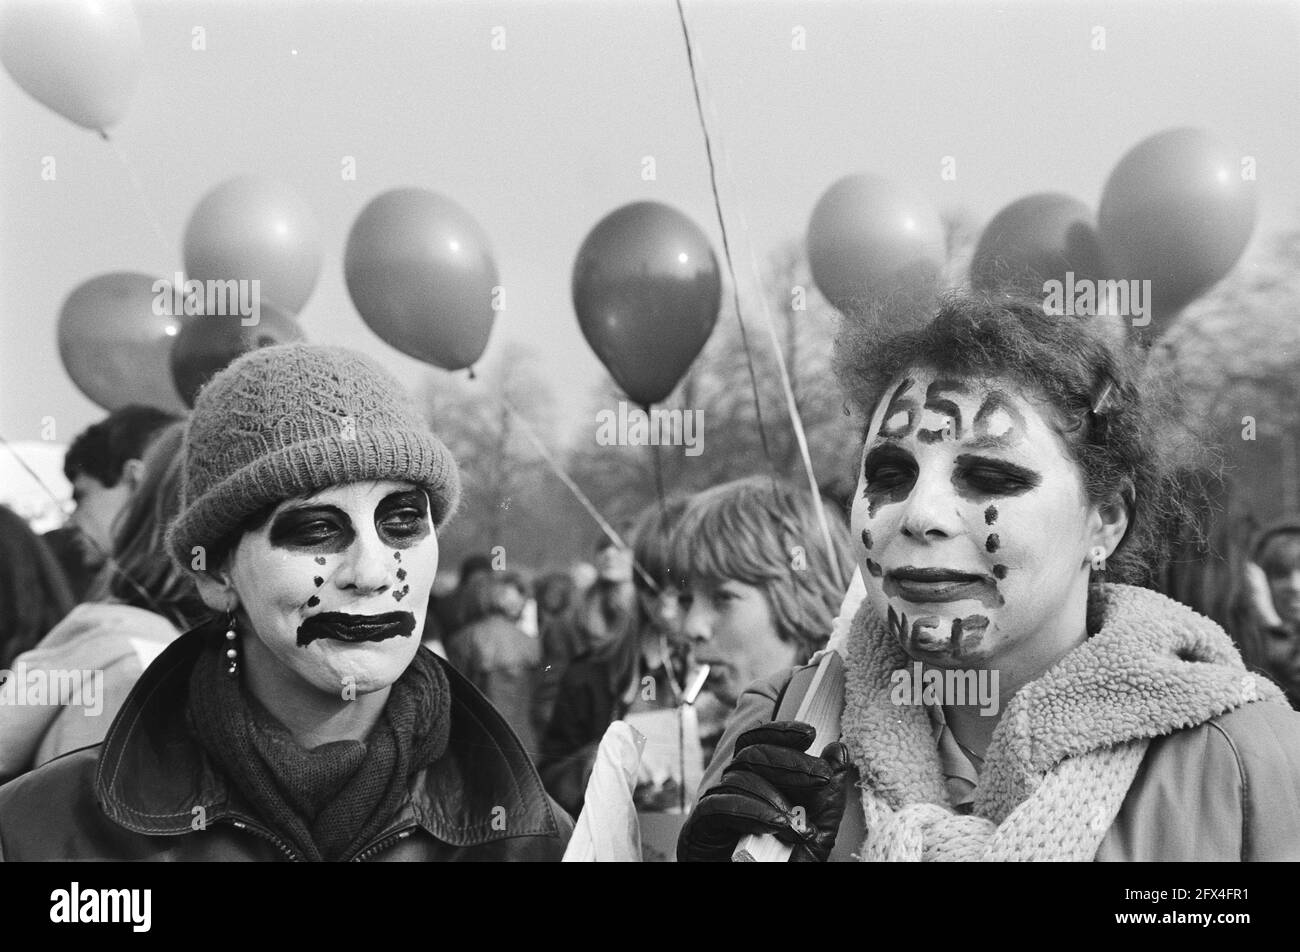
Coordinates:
800 436
726 244
32 473
573 487
140 194
658 464
664 533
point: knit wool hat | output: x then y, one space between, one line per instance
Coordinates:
290 420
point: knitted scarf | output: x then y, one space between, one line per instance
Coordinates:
1068 744
329 802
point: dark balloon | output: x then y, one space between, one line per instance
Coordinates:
1036 239
646 290
1176 211
251 228
209 343
868 240
116 333
421 274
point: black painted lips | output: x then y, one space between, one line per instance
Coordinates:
938 585
341 626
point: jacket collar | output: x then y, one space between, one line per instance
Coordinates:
153 778
1153 666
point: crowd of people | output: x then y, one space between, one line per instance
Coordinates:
250 596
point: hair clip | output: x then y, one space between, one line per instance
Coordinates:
1099 404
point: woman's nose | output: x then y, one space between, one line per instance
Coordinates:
931 510
368 565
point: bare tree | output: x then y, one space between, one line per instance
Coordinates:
1234 356
510 498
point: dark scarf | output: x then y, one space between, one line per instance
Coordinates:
328 803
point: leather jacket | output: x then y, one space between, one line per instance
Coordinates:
1226 790
149 792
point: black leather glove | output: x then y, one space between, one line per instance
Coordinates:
772 786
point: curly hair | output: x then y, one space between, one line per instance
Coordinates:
1118 423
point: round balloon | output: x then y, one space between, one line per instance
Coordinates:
1177 212
116 334
80 58
646 290
254 229
1034 240
421 274
208 343
868 239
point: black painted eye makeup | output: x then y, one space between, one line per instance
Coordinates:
987 475
312 527
887 466
402 518
889 473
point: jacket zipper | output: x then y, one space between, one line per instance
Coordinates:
293 857
271 837
382 844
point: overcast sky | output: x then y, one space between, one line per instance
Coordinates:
543 138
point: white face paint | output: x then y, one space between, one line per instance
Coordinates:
336 586
972 524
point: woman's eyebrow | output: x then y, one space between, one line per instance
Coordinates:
312 507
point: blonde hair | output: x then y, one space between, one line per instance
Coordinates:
766 533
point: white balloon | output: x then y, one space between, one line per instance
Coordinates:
80 58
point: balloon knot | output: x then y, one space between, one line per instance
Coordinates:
472 375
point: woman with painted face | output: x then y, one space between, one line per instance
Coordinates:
1008 695
303 723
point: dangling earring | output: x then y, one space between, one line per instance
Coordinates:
1098 555
232 652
